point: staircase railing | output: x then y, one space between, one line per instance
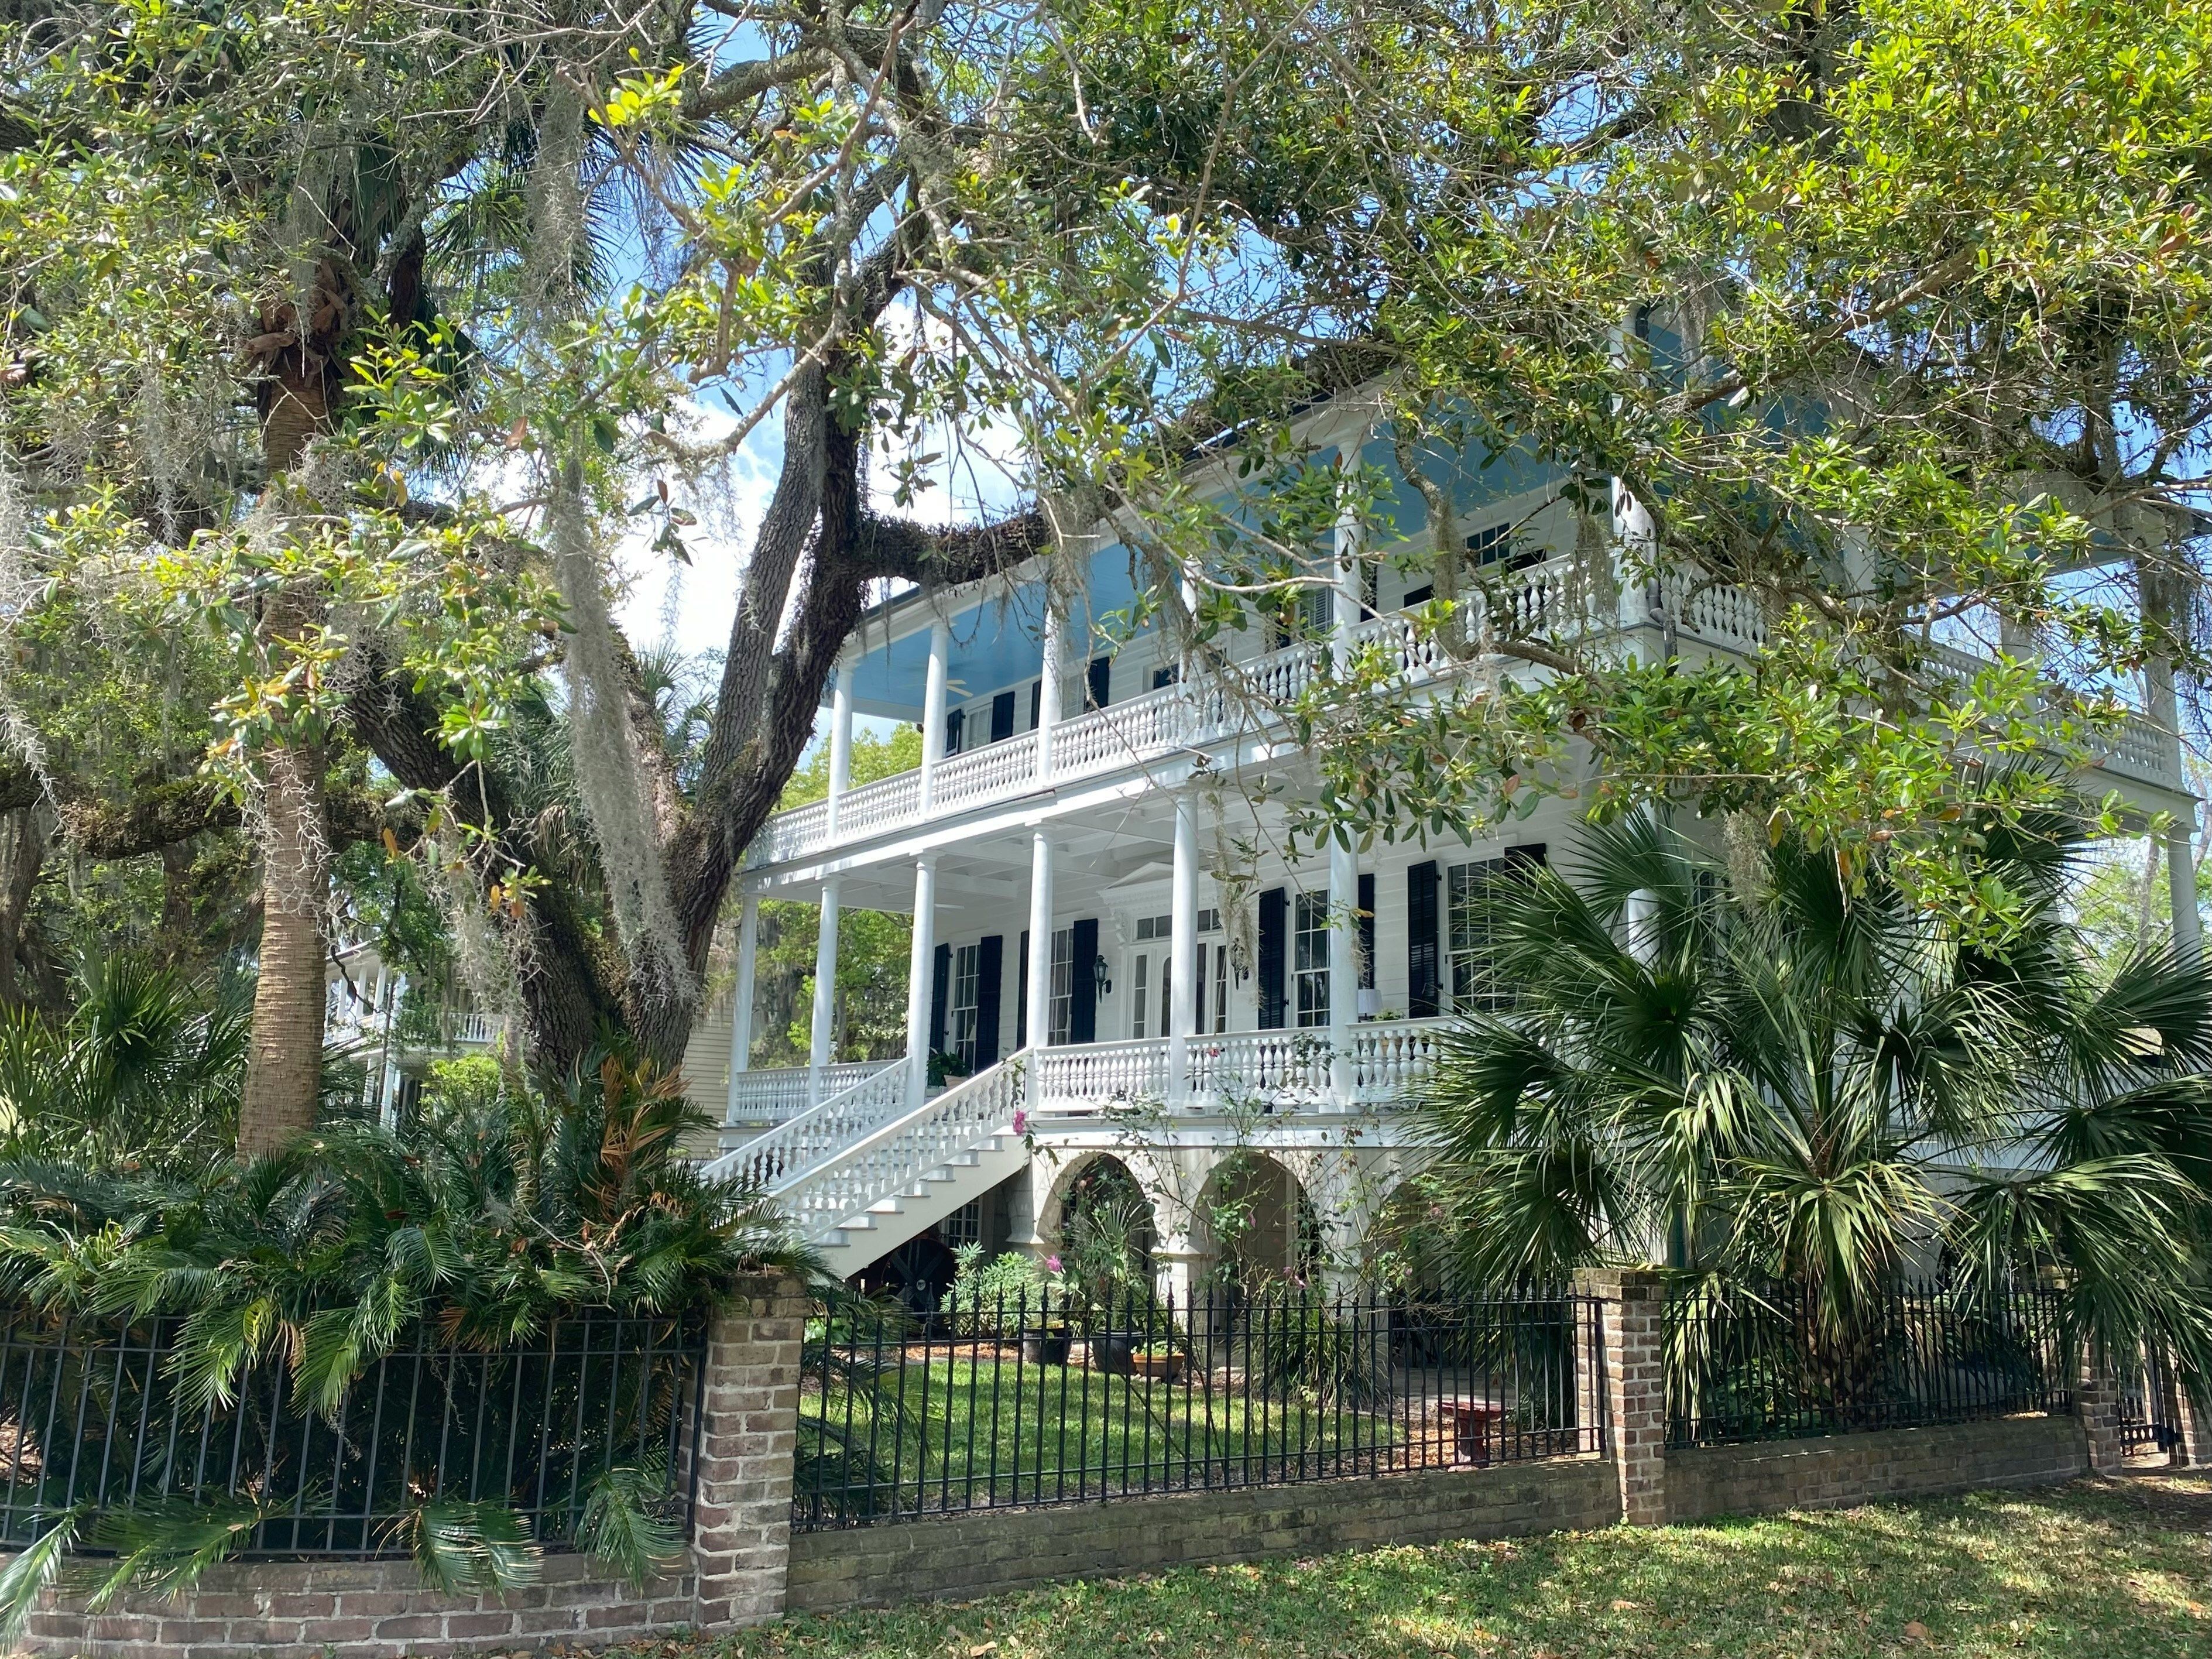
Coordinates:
799 1143
900 1153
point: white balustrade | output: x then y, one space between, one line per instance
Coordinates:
1006 768
897 1155
1273 1069
1103 738
1393 1059
773 1094
1719 612
856 1110
1092 1077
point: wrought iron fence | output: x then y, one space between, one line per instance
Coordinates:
1761 1364
1041 1400
99 1415
2149 1402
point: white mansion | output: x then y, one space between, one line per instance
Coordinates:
1059 848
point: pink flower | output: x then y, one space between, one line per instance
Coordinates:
1052 1264
1021 1121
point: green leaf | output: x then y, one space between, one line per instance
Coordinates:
480 1545
619 1530
27 1578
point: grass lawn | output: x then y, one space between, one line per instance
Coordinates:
2115 1570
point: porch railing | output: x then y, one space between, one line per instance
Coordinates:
1274 1071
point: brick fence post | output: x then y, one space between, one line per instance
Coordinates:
2194 1449
748 1437
2097 1403
1632 1344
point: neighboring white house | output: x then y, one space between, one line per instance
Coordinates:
1060 848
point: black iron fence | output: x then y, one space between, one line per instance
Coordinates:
2150 1404
1039 1401
1762 1363
100 1415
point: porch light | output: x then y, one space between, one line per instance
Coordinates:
1099 981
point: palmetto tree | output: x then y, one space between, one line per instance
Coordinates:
1806 1080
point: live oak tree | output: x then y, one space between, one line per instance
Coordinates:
359 336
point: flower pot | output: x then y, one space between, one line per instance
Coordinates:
1044 1347
1159 1367
1115 1351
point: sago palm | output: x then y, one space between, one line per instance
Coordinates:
1809 1081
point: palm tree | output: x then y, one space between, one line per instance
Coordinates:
143 1072
1811 1081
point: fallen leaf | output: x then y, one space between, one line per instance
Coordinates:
978 1652
1914 1630
1620 1606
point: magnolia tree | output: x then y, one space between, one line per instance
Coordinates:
343 345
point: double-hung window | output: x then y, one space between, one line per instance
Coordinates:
1309 957
967 998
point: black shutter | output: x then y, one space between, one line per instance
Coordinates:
1022 996
1422 998
955 722
940 994
1274 917
1036 702
990 969
1098 681
1083 988
1366 933
1530 856
1002 717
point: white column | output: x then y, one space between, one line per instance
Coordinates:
1039 992
1343 968
825 992
741 999
2181 887
920 968
1346 595
1048 673
1182 947
933 705
841 744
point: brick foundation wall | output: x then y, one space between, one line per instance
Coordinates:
1839 1470
365 1610
978 1555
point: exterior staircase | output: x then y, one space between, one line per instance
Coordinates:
862 1173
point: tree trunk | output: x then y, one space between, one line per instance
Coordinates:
284 1059
284 1062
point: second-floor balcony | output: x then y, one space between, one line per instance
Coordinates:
1248 698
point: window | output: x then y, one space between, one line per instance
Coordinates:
1495 545
1468 890
1209 922
1220 986
967 997
1171 675
1137 1002
1309 957
1059 1023
963 1226
1157 927
1310 614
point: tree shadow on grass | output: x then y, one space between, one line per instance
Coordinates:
2097 1571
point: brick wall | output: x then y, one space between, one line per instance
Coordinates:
364 1609
1839 1470
978 1554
